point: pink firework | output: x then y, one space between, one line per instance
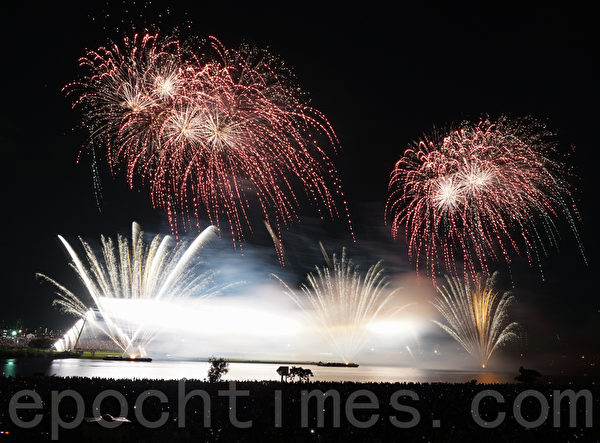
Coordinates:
214 132
479 194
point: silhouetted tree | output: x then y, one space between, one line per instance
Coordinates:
302 374
218 368
527 376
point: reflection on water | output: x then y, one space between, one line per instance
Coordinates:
9 368
12 367
167 369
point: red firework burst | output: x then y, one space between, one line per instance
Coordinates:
478 194
213 132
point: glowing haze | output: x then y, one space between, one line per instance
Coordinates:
357 318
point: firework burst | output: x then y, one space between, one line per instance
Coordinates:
211 132
342 302
476 317
478 194
133 272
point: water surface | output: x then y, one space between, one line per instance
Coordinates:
170 369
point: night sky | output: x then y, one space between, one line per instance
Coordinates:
382 77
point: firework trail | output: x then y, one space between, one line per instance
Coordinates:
215 131
277 243
476 317
478 194
136 272
69 340
342 302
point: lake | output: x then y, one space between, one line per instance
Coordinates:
170 369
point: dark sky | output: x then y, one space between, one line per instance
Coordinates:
382 77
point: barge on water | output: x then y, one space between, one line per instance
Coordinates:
126 358
337 365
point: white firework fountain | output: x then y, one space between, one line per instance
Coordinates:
126 276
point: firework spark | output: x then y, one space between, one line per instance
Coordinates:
477 317
342 302
134 272
215 131
478 194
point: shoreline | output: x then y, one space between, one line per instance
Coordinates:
14 352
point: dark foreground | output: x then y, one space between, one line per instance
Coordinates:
366 411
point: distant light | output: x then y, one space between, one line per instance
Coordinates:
13 333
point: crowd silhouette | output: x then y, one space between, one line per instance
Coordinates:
444 409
